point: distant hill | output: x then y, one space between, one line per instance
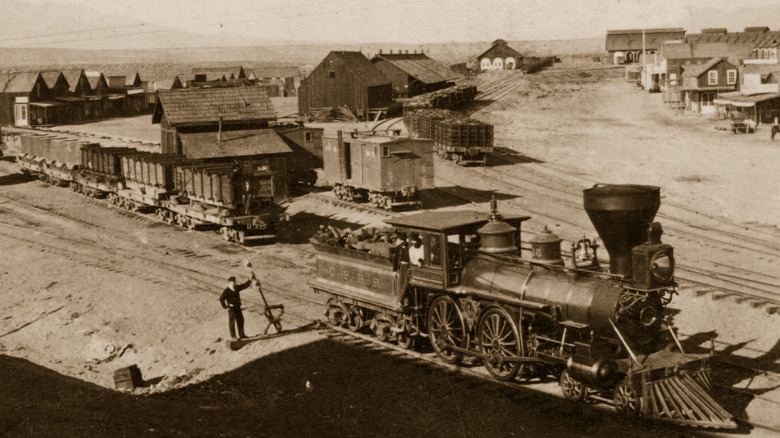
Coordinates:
308 54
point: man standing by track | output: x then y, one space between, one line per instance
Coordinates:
231 300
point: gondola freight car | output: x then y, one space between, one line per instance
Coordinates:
384 169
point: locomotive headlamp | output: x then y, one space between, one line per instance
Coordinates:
648 316
662 266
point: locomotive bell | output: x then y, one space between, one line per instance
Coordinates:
546 247
497 236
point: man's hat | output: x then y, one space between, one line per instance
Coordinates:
231 278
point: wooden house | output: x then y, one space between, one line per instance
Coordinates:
20 95
625 46
499 57
412 73
701 84
346 79
289 76
221 109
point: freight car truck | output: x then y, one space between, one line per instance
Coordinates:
385 170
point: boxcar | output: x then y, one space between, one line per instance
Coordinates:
384 169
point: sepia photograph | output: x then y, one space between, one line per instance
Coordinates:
409 218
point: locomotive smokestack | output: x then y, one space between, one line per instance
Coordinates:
621 215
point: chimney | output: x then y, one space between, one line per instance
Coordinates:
380 51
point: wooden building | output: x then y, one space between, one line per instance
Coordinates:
289 76
701 84
499 57
222 109
18 94
346 79
625 46
412 73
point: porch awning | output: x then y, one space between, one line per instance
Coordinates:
45 104
745 101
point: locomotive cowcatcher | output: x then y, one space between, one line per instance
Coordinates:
604 335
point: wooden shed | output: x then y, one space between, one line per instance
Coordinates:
346 79
194 110
413 73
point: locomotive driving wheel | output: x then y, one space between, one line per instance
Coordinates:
499 340
572 388
627 399
446 327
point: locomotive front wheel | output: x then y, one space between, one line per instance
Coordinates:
572 388
627 399
446 327
499 339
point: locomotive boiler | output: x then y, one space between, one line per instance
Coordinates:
603 334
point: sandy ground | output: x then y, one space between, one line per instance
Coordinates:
86 289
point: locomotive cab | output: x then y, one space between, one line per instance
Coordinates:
449 239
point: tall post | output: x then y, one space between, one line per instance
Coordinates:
219 133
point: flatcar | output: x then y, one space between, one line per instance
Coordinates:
237 195
384 169
472 294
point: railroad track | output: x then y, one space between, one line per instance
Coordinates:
473 370
493 91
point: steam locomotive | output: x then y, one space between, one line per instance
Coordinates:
474 296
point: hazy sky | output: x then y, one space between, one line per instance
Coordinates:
422 21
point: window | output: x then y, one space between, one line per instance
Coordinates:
707 98
332 74
712 77
385 151
673 79
434 250
307 136
731 77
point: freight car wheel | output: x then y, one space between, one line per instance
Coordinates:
499 340
572 388
356 320
627 399
337 314
446 327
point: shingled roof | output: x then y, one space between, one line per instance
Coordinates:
419 66
23 82
207 105
362 68
276 72
233 143
631 39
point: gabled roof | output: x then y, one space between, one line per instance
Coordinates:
94 78
207 105
23 82
503 44
698 70
276 72
230 72
731 52
751 38
233 143
631 39
419 66
72 76
51 78
361 67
